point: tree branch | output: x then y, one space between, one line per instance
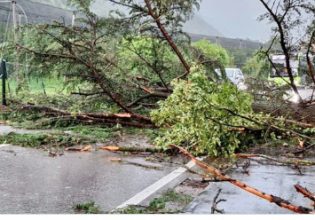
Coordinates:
169 39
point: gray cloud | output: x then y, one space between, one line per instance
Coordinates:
236 18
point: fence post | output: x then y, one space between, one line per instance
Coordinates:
4 77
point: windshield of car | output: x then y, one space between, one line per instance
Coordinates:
234 74
230 73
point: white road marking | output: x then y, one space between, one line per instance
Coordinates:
155 187
5 145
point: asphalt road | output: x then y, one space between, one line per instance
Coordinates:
305 93
33 182
275 180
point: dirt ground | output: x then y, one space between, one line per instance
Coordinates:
290 110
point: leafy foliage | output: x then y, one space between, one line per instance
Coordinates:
159 205
149 58
87 208
83 54
39 140
206 117
239 56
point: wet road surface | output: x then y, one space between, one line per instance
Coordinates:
306 94
276 180
6 129
32 182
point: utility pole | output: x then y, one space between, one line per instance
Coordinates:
4 77
73 18
14 20
15 36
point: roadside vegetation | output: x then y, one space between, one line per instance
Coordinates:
170 202
87 208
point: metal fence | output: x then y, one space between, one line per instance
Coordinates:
19 12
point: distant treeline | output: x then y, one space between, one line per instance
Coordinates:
229 43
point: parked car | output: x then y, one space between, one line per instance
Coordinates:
235 75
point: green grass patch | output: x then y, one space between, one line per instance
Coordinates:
97 133
45 86
160 204
87 208
39 140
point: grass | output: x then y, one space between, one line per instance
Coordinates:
56 97
48 85
38 140
160 204
87 208
95 132
63 131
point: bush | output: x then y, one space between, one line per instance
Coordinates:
199 115
213 52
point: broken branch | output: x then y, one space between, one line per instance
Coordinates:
214 207
131 149
305 192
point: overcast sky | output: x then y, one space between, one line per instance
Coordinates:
236 18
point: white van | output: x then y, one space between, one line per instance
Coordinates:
235 75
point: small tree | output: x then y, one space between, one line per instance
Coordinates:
213 52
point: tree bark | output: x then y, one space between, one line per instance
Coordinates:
169 39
